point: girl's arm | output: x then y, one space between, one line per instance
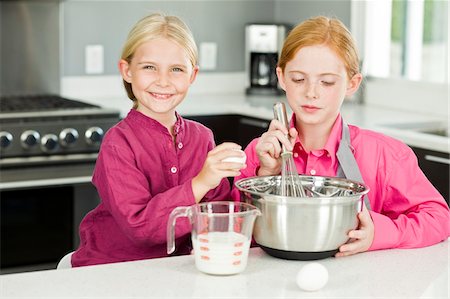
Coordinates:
413 213
215 169
126 193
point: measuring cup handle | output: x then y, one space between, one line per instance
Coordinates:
177 212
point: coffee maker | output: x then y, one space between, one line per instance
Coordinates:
263 43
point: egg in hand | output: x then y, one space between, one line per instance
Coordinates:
312 277
236 159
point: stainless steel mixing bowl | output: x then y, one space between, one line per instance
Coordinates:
303 228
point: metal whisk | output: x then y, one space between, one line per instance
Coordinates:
291 184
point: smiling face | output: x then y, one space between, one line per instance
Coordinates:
160 74
316 83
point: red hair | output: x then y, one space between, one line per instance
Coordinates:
322 31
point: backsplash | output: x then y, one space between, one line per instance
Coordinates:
413 96
107 23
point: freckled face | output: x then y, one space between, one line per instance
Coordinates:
316 83
160 73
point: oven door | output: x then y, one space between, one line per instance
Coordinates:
42 206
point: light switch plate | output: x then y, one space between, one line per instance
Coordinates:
208 56
94 59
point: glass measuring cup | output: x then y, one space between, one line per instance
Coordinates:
221 234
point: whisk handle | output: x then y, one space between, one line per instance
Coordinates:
279 113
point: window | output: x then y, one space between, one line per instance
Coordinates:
403 39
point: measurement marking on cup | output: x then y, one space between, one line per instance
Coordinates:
220 244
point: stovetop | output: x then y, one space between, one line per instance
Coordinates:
32 103
50 128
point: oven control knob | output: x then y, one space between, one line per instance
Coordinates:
94 135
5 139
68 137
29 138
49 143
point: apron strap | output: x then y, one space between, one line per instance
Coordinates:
348 167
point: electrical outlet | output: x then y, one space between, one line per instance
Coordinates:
208 56
94 59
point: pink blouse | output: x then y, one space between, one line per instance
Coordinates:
141 176
407 210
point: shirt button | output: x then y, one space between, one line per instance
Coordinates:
312 172
180 145
295 155
173 169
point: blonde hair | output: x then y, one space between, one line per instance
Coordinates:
322 31
154 26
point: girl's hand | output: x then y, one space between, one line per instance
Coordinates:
215 169
361 238
269 147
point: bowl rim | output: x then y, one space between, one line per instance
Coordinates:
279 199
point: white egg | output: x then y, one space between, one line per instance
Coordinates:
312 277
235 159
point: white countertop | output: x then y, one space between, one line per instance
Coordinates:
406 273
366 116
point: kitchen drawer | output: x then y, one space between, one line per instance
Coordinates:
232 127
436 166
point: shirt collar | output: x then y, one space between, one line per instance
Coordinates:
145 120
179 124
333 141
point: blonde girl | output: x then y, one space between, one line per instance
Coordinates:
153 160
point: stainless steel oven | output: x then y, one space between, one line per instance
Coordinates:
48 148
48 144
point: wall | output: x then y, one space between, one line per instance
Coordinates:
29 47
295 11
107 23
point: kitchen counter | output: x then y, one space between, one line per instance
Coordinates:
392 122
406 273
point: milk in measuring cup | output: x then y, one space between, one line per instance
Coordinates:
221 253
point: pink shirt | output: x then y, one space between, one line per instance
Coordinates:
407 210
141 176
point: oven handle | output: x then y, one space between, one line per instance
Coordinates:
46 160
45 182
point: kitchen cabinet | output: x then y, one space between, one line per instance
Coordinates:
233 127
250 128
435 165
224 127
